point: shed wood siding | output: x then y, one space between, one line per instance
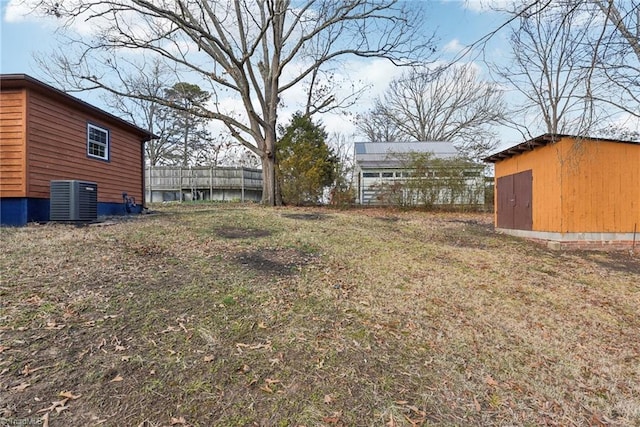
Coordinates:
601 192
581 186
58 150
12 143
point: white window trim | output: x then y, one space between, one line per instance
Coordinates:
106 145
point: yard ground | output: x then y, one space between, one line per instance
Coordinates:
233 315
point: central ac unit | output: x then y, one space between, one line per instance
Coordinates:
73 201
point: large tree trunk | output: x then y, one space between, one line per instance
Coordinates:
269 184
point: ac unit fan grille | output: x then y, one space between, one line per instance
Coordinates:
73 201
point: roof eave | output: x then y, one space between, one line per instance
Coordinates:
18 81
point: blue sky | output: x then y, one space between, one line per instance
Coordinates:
21 38
456 23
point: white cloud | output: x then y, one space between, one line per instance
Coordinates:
486 5
18 11
453 46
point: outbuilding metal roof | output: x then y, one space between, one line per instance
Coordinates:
390 154
539 141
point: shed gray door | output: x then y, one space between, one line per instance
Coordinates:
514 198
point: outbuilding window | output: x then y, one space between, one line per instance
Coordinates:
97 142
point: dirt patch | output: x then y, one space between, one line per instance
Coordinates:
275 261
241 233
307 216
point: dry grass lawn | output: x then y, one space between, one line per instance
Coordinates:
233 315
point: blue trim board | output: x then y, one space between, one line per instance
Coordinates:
18 211
110 209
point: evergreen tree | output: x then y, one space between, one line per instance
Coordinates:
305 163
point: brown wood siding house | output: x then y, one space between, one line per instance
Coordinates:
46 134
578 191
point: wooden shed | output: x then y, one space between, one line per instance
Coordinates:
46 135
569 189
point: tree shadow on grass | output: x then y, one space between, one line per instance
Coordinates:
617 260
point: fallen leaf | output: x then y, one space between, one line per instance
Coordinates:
266 389
490 381
415 422
45 420
70 395
54 405
208 358
3 348
176 421
328 399
54 325
597 420
27 371
120 348
20 387
125 358
478 407
274 361
416 410
117 379
333 419
392 422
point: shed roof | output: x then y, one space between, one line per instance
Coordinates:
388 154
542 140
24 81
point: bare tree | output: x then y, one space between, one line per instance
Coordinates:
377 126
617 54
253 51
572 61
549 51
446 104
151 80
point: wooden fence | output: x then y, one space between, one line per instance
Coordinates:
170 183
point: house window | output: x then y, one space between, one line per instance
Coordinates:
370 174
97 142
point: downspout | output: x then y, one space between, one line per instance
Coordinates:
143 204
